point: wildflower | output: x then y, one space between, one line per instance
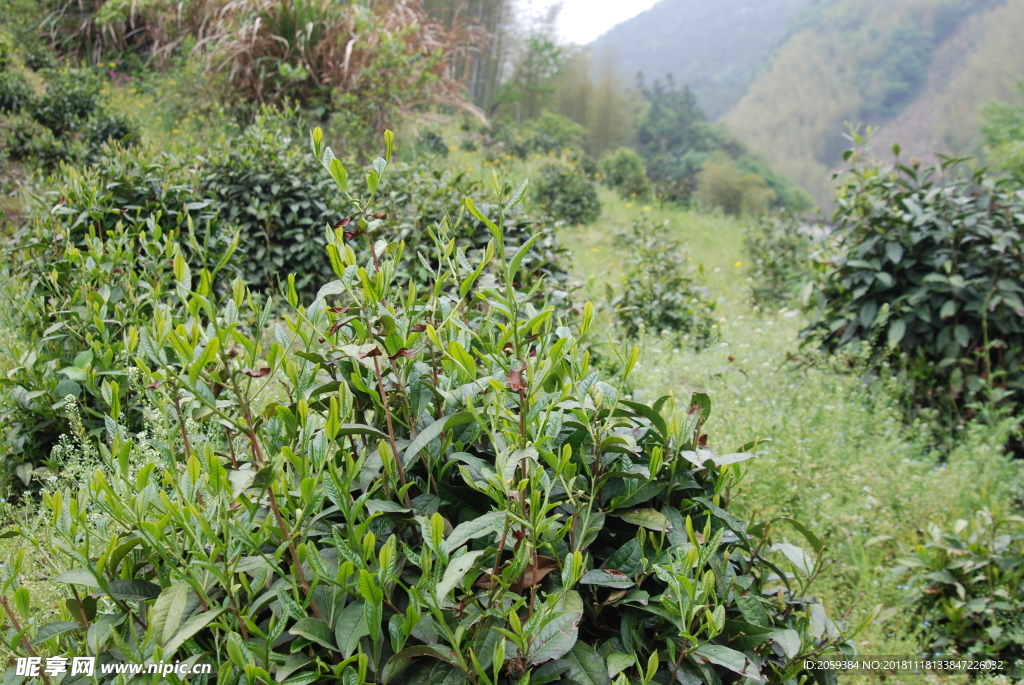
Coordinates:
738 264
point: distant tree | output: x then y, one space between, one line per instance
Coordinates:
674 135
686 154
1003 127
481 64
612 116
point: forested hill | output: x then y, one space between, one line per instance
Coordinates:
920 70
714 46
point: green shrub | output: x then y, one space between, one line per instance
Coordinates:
413 485
38 56
624 170
966 585
31 143
15 93
724 184
89 270
132 186
568 193
105 126
433 143
417 197
549 133
944 255
261 181
659 294
782 252
79 309
70 98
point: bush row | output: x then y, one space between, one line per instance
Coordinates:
409 482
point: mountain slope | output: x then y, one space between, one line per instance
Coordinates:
714 46
909 66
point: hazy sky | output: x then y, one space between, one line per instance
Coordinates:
581 21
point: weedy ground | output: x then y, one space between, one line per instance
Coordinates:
842 459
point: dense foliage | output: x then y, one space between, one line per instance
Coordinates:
659 293
258 182
625 171
417 197
782 251
66 122
568 193
441 489
85 281
966 581
678 144
930 267
262 182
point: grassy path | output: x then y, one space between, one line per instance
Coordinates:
842 461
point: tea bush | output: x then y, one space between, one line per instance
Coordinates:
31 143
261 181
567 192
417 197
625 171
966 581
659 294
15 93
71 97
423 483
723 183
945 255
87 275
433 143
108 126
782 252
133 186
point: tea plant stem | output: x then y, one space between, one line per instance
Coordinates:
181 422
679 662
24 638
497 556
291 549
81 609
229 439
391 432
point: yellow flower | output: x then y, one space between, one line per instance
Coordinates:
647 208
629 204
174 130
738 264
594 249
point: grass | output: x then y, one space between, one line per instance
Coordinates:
842 460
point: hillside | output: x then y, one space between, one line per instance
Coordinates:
714 47
920 70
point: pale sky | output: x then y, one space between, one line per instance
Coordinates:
581 21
